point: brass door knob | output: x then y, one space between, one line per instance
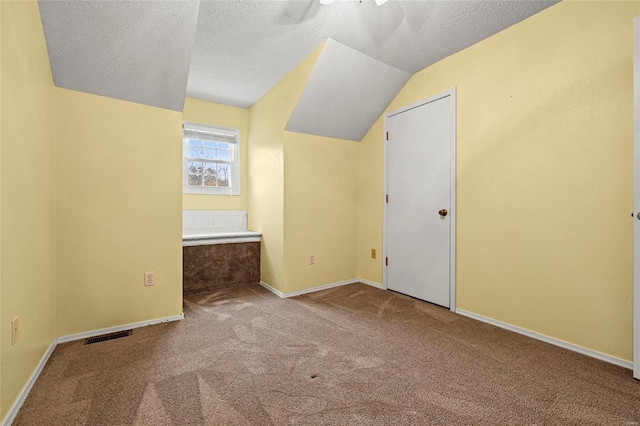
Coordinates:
443 212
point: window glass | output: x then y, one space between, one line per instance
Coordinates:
210 165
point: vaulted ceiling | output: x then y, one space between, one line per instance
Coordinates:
136 51
234 51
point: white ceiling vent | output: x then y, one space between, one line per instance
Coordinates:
346 93
138 51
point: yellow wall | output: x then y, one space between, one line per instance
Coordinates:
303 193
266 196
321 210
27 197
545 161
118 212
267 119
203 112
1 317
544 138
370 203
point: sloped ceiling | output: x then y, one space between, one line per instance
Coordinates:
243 48
137 51
234 51
346 93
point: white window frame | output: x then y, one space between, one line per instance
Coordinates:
234 189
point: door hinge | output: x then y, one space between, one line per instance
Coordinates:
386 261
387 197
387 135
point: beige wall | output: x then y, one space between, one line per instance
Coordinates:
370 203
545 161
321 210
303 193
544 188
267 119
1 317
214 114
27 226
266 193
118 212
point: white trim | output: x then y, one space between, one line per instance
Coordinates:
272 290
308 290
636 196
319 288
86 334
385 204
211 129
322 287
13 411
214 241
557 342
371 283
236 174
453 209
219 235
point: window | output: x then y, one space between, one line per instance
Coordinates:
211 164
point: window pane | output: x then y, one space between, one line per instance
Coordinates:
210 154
194 167
210 161
195 148
195 180
224 169
210 168
209 180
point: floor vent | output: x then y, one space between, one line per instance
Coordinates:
105 337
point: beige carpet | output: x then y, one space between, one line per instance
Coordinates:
349 355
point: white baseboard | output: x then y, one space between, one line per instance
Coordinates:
318 288
308 290
371 283
566 345
86 334
13 411
272 290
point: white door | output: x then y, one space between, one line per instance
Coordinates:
419 219
636 202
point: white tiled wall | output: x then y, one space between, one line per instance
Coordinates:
212 221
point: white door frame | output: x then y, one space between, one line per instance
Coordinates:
452 213
636 202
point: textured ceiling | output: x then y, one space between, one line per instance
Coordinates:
234 51
243 48
346 93
138 51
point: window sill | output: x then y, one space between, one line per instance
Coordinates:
209 192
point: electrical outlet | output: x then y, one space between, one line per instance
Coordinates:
15 330
373 253
312 259
149 278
